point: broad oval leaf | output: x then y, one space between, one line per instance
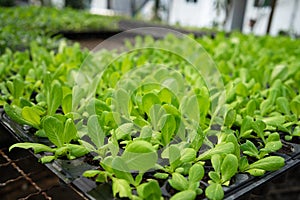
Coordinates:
178 182
214 191
229 167
270 163
140 155
196 173
186 195
54 129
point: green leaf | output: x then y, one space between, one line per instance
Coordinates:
121 187
123 102
216 161
243 165
124 131
156 113
249 149
283 105
214 176
279 72
246 125
222 148
37 148
165 95
251 107
120 169
55 97
196 173
47 159
140 155
76 151
148 101
95 131
295 107
70 131
230 118
149 190
186 195
229 167
241 89
161 175
168 129
67 104
178 182
259 126
54 129
271 163
272 146
190 108
214 191
256 172
146 133
14 113
91 173
188 155
173 154
32 115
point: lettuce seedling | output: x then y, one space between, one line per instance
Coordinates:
225 168
60 131
191 184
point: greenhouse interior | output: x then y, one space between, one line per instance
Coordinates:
150 99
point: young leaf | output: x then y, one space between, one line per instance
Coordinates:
229 167
216 161
168 129
214 191
148 101
188 155
230 118
37 148
70 131
140 155
32 115
156 112
55 97
246 125
121 187
54 129
149 190
295 106
256 172
186 195
67 104
47 159
76 151
14 113
173 154
250 149
222 148
214 176
120 169
91 173
95 131
270 163
283 105
146 133
178 182
196 173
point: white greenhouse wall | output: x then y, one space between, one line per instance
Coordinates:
282 17
200 14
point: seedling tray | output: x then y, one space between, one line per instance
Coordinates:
70 171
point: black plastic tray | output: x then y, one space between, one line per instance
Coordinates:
70 171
